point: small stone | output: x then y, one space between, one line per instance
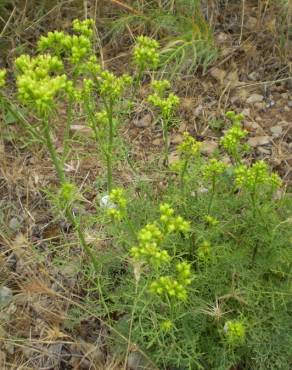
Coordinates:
222 37
5 295
276 131
260 105
285 95
252 126
198 110
253 76
246 112
218 74
81 129
144 121
105 202
259 140
286 108
290 103
264 150
251 23
208 147
255 98
177 139
157 142
135 361
173 158
14 224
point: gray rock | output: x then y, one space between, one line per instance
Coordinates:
14 224
5 295
255 98
259 141
276 131
144 121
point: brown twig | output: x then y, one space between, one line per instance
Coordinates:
125 6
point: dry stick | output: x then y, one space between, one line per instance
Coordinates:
7 23
125 6
242 21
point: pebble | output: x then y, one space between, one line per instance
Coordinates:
14 224
177 139
260 105
105 202
144 121
5 295
157 142
135 361
208 147
276 131
259 140
255 98
253 76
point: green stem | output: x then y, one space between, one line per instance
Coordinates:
16 114
182 174
165 140
52 150
67 128
109 151
86 248
212 194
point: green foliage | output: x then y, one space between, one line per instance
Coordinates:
2 77
183 31
204 280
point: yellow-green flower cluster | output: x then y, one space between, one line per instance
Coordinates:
68 192
101 118
172 223
204 251
174 288
111 86
257 174
234 332
2 77
213 169
166 325
160 86
150 238
119 202
92 66
83 27
231 141
166 104
234 118
78 46
210 220
37 86
145 53
189 146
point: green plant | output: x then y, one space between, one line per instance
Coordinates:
184 33
204 280
145 55
231 141
167 105
196 287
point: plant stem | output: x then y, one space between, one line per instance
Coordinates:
15 112
86 248
67 128
182 174
165 139
109 151
212 194
52 150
